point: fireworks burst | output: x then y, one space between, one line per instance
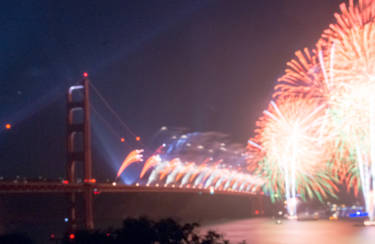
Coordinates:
303 77
294 146
349 59
339 74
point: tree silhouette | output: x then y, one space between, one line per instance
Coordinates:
146 231
17 238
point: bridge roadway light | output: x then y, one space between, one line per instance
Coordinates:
96 191
92 180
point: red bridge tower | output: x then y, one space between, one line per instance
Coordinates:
79 148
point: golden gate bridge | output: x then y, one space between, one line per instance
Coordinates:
88 187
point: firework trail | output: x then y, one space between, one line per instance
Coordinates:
196 160
132 157
200 146
189 174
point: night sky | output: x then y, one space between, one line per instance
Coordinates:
202 65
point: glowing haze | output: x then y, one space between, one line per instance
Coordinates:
319 129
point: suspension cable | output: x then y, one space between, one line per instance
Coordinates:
110 108
109 126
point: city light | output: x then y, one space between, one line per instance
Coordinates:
369 223
8 126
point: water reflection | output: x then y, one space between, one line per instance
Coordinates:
365 235
266 231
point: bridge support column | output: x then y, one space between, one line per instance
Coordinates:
74 157
72 211
89 209
257 205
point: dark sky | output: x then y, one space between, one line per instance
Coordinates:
203 65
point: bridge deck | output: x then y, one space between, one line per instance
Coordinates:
58 187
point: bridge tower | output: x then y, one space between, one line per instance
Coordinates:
79 135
